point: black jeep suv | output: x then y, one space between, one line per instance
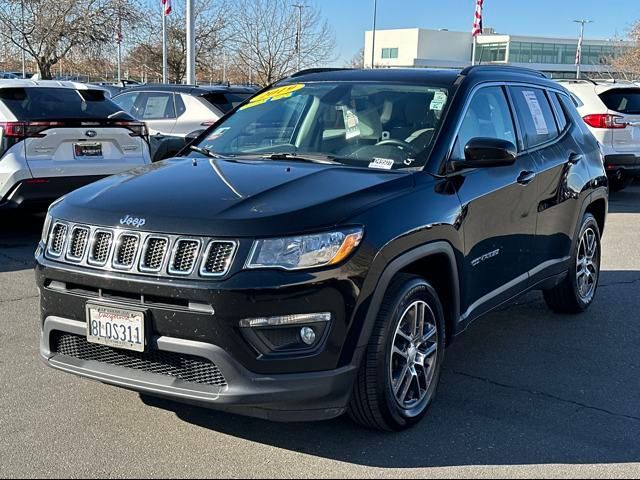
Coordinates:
315 251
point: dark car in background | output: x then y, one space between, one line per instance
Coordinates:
320 247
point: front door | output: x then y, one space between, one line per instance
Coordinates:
499 204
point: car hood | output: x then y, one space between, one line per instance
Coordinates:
232 197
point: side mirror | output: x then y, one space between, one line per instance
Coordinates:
487 153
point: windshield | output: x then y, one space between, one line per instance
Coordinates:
383 126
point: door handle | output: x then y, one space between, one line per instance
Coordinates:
575 158
526 178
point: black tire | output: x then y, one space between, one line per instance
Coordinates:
566 297
373 403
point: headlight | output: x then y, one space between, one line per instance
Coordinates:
305 251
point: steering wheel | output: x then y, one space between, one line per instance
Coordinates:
400 144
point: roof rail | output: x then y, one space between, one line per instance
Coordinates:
576 80
309 71
505 68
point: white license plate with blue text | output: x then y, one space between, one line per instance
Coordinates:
115 327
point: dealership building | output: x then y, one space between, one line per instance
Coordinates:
417 47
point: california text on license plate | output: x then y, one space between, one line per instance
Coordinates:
115 327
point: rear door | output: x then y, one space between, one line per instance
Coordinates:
157 110
547 136
69 132
625 104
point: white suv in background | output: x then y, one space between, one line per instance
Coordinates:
611 110
58 136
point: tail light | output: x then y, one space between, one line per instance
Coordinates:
138 129
22 130
605 120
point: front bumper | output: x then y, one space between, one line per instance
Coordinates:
201 319
288 397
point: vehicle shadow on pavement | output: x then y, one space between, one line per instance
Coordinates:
523 386
19 236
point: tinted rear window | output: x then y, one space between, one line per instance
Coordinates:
623 100
226 101
33 104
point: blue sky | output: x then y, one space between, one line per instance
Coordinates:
350 18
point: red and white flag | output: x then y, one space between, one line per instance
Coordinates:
477 20
167 7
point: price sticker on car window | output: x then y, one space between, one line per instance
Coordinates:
274 95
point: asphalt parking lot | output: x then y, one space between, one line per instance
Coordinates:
525 393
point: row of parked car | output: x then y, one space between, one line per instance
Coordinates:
56 135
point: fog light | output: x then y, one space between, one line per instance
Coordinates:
308 335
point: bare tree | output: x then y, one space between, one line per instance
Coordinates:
357 61
51 29
628 61
265 39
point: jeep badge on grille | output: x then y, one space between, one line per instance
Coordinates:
133 222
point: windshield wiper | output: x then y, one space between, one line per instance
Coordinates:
205 151
306 157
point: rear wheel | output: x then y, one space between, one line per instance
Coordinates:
401 370
576 292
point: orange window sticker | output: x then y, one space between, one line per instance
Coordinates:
273 95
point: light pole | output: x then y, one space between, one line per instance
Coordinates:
24 53
191 43
300 7
580 42
373 43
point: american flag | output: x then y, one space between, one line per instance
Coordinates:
167 7
477 20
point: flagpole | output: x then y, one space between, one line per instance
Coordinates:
473 51
191 43
165 66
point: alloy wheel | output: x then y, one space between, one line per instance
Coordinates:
588 265
414 355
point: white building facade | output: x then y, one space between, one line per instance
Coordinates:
416 47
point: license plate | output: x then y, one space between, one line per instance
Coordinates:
115 327
83 150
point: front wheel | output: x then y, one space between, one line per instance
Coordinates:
400 373
578 290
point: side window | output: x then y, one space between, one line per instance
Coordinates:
127 101
157 106
561 116
181 108
535 115
488 116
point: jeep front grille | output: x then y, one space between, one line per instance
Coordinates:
57 239
185 257
78 243
217 258
154 252
126 250
140 253
101 247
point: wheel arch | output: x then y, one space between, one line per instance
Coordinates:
436 263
